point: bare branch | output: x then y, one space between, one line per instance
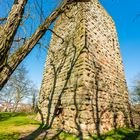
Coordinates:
7 33
18 56
20 39
3 19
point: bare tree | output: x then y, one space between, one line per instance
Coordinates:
34 92
9 62
135 102
21 85
6 96
135 91
17 88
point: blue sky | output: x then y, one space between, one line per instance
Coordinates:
128 28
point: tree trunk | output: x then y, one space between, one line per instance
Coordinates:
18 56
8 31
16 105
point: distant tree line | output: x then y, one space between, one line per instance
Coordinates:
134 95
18 90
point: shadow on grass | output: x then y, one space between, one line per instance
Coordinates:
120 134
34 134
13 136
41 133
7 115
133 135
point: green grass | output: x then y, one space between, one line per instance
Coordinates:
13 125
7 119
9 136
119 134
66 136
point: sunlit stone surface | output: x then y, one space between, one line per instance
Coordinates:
84 89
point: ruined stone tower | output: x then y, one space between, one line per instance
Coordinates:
84 89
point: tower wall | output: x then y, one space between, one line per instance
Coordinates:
84 89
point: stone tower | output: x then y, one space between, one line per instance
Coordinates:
84 89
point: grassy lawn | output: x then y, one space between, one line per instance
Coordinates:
15 125
12 125
119 134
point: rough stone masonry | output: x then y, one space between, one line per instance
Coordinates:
84 88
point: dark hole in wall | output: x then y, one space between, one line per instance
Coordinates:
59 111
